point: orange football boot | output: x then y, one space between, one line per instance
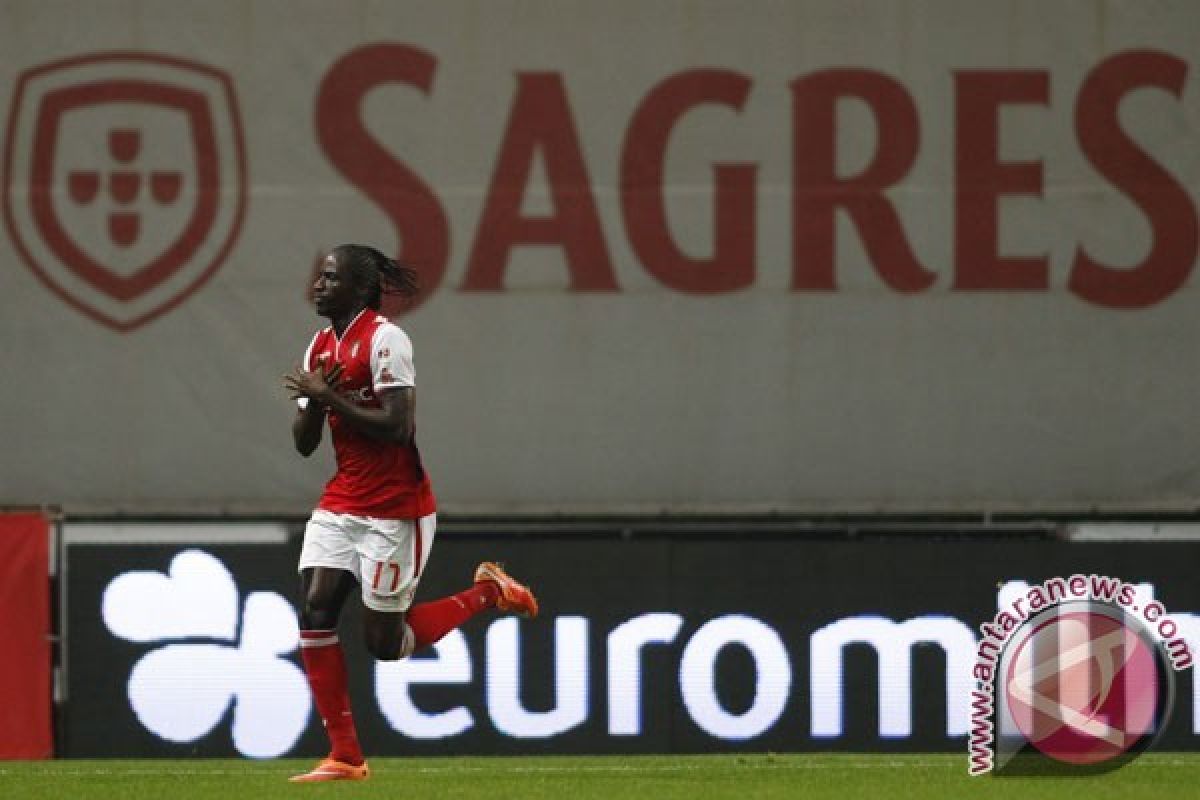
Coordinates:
514 596
333 770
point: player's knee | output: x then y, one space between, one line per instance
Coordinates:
390 653
317 620
385 646
317 615
388 637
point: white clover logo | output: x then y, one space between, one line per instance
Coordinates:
180 690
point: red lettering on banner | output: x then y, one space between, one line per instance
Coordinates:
819 192
413 208
642 202
541 121
541 125
1166 204
981 178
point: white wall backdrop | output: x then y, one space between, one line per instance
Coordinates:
678 255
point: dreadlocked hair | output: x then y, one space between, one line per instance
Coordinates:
377 273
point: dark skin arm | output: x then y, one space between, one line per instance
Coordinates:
307 427
310 420
391 423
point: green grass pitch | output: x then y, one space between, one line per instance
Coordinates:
1162 776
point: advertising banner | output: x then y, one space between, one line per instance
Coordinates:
650 644
803 256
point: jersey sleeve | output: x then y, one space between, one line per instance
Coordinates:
302 402
391 359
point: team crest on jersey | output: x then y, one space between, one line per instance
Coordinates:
124 180
385 353
386 376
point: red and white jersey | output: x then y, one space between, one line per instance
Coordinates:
374 478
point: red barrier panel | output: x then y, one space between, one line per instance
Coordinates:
26 729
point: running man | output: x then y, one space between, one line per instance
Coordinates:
376 519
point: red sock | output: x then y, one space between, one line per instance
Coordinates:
325 666
433 620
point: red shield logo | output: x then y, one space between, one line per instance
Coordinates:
124 180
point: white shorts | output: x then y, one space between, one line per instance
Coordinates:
386 556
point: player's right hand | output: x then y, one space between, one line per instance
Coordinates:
317 385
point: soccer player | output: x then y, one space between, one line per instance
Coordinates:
375 522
